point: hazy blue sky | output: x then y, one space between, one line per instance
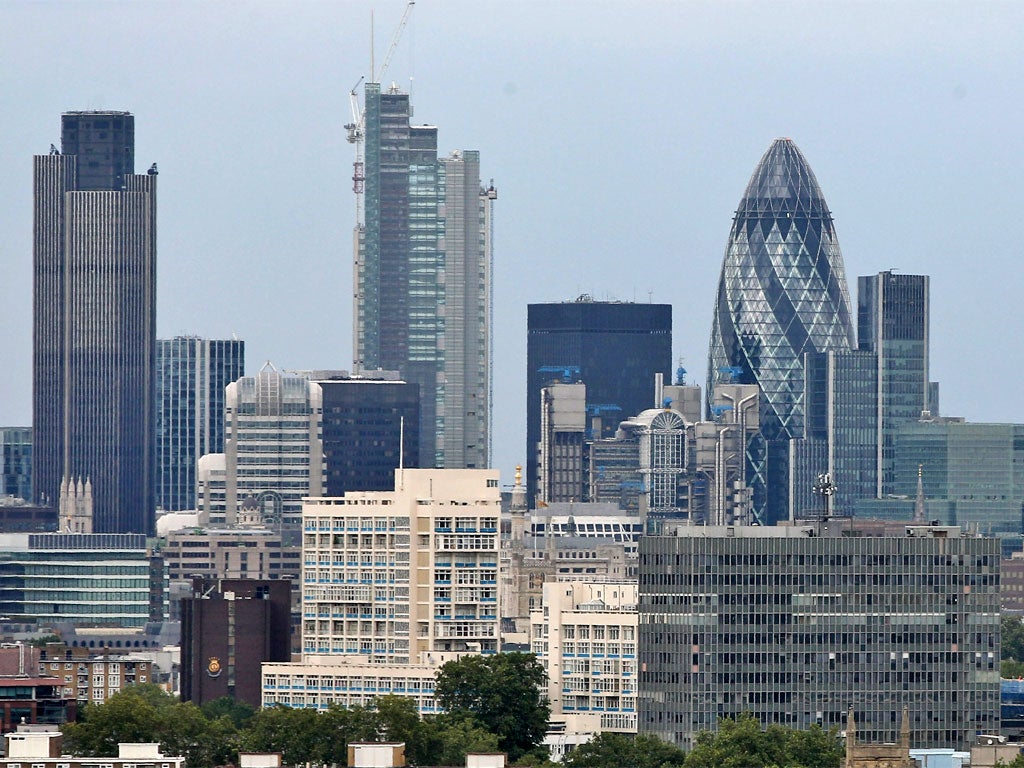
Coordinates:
620 137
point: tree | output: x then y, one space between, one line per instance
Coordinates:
239 712
292 732
741 743
1010 669
1012 631
502 692
145 713
128 716
447 739
615 750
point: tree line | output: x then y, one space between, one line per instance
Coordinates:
490 704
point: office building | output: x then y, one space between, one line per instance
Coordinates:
229 627
231 553
192 375
98 579
371 427
782 293
841 433
94 321
615 348
16 462
974 472
28 699
584 633
563 417
422 277
273 447
892 323
797 624
395 583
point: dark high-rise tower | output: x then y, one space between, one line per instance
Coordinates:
782 293
370 427
192 374
892 322
615 348
423 277
94 320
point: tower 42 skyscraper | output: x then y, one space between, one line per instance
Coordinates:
94 320
782 293
422 277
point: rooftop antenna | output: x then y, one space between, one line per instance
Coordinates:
401 453
372 80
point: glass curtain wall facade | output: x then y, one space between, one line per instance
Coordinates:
16 462
782 293
89 579
841 394
364 420
892 322
615 348
94 321
422 278
797 628
192 375
977 468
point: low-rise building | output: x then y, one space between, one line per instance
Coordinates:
42 748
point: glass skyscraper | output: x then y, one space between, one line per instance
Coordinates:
16 462
423 277
782 293
94 321
892 322
192 374
615 348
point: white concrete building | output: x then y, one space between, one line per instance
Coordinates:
585 636
394 584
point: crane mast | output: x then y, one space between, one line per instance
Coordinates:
357 128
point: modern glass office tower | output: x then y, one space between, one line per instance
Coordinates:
841 417
782 293
422 277
16 462
192 374
797 624
972 472
94 321
892 322
370 428
615 348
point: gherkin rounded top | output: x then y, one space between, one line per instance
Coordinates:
783 181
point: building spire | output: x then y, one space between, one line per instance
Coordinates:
919 509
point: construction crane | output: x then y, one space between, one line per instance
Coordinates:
357 128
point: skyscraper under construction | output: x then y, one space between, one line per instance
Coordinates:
422 277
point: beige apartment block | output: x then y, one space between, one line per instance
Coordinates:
585 635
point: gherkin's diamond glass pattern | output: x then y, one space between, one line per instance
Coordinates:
782 293
783 288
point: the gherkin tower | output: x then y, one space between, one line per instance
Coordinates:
782 293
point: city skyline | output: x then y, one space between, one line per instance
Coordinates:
904 113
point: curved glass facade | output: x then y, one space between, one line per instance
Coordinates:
782 293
